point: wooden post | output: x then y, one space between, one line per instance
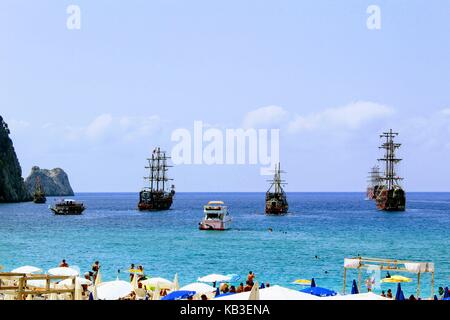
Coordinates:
20 291
418 285
74 287
432 285
345 280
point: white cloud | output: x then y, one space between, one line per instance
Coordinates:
351 117
265 117
106 126
99 127
16 125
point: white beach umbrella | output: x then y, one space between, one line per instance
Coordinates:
199 288
156 293
134 282
78 290
161 282
113 290
26 270
273 293
214 278
63 271
176 284
254 293
79 280
98 278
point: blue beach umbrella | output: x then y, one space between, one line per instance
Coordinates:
354 288
262 286
217 292
399 294
179 295
446 293
225 294
435 297
313 283
319 292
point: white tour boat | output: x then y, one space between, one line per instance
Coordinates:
216 217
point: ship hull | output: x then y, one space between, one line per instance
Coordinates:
217 225
66 211
276 211
372 192
391 200
155 203
276 205
39 200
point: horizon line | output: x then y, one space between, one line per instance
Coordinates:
258 192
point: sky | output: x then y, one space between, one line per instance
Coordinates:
95 101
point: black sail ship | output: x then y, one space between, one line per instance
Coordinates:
155 197
276 201
390 195
39 194
374 183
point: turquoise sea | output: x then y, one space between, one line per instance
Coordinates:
330 226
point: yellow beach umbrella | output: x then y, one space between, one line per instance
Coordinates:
135 271
396 279
303 282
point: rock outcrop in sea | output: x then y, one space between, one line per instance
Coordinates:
12 186
55 182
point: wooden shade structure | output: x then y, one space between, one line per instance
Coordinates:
363 263
21 290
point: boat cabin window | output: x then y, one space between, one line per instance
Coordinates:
216 208
213 216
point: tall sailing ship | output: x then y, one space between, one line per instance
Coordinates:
276 201
390 195
39 194
374 183
155 197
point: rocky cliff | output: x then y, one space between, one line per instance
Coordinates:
12 186
55 182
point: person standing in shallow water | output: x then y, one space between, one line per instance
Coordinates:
63 264
95 269
131 272
250 278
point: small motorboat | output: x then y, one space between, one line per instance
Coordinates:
68 207
216 217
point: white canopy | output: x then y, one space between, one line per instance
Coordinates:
63 271
79 280
214 278
161 282
113 290
26 270
272 293
358 296
199 288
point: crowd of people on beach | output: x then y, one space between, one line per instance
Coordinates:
144 290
